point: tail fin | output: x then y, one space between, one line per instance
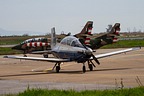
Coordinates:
115 32
87 28
108 38
53 37
86 31
115 29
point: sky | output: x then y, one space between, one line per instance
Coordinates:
40 16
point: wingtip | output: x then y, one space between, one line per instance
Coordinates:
137 48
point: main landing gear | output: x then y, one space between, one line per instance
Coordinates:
45 55
84 67
57 66
25 55
90 65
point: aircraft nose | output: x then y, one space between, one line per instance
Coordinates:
17 47
88 52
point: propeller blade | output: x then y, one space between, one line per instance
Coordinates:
96 60
92 63
83 44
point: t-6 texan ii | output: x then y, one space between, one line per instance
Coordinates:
72 49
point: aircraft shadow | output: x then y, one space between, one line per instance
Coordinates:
61 72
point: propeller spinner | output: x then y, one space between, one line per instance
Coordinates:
89 52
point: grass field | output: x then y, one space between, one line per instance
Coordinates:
119 92
8 51
126 44
14 39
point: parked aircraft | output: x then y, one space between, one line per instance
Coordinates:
72 49
42 45
33 44
104 39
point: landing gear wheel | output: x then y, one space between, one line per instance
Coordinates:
84 69
57 69
90 67
45 55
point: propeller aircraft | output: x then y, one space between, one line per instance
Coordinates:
72 49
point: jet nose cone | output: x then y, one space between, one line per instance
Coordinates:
17 47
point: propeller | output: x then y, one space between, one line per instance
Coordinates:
95 59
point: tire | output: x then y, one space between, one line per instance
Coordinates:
84 69
57 69
90 67
45 56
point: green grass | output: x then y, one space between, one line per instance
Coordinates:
11 40
45 92
126 44
7 51
14 39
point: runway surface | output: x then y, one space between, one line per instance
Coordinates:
123 70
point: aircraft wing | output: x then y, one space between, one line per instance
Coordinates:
116 52
38 58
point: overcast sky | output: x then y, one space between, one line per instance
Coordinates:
70 15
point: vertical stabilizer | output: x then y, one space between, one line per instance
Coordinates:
115 31
87 28
53 37
85 33
105 39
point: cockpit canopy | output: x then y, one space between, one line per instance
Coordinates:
40 39
71 41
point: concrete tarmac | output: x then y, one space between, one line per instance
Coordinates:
118 71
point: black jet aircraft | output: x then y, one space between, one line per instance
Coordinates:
72 49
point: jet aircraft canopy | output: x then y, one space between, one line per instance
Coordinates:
40 39
71 41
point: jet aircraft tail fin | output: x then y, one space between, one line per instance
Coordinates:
53 37
114 33
87 28
85 33
108 38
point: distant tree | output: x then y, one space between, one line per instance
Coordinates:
25 34
48 34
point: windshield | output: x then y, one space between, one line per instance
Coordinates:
42 39
71 41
